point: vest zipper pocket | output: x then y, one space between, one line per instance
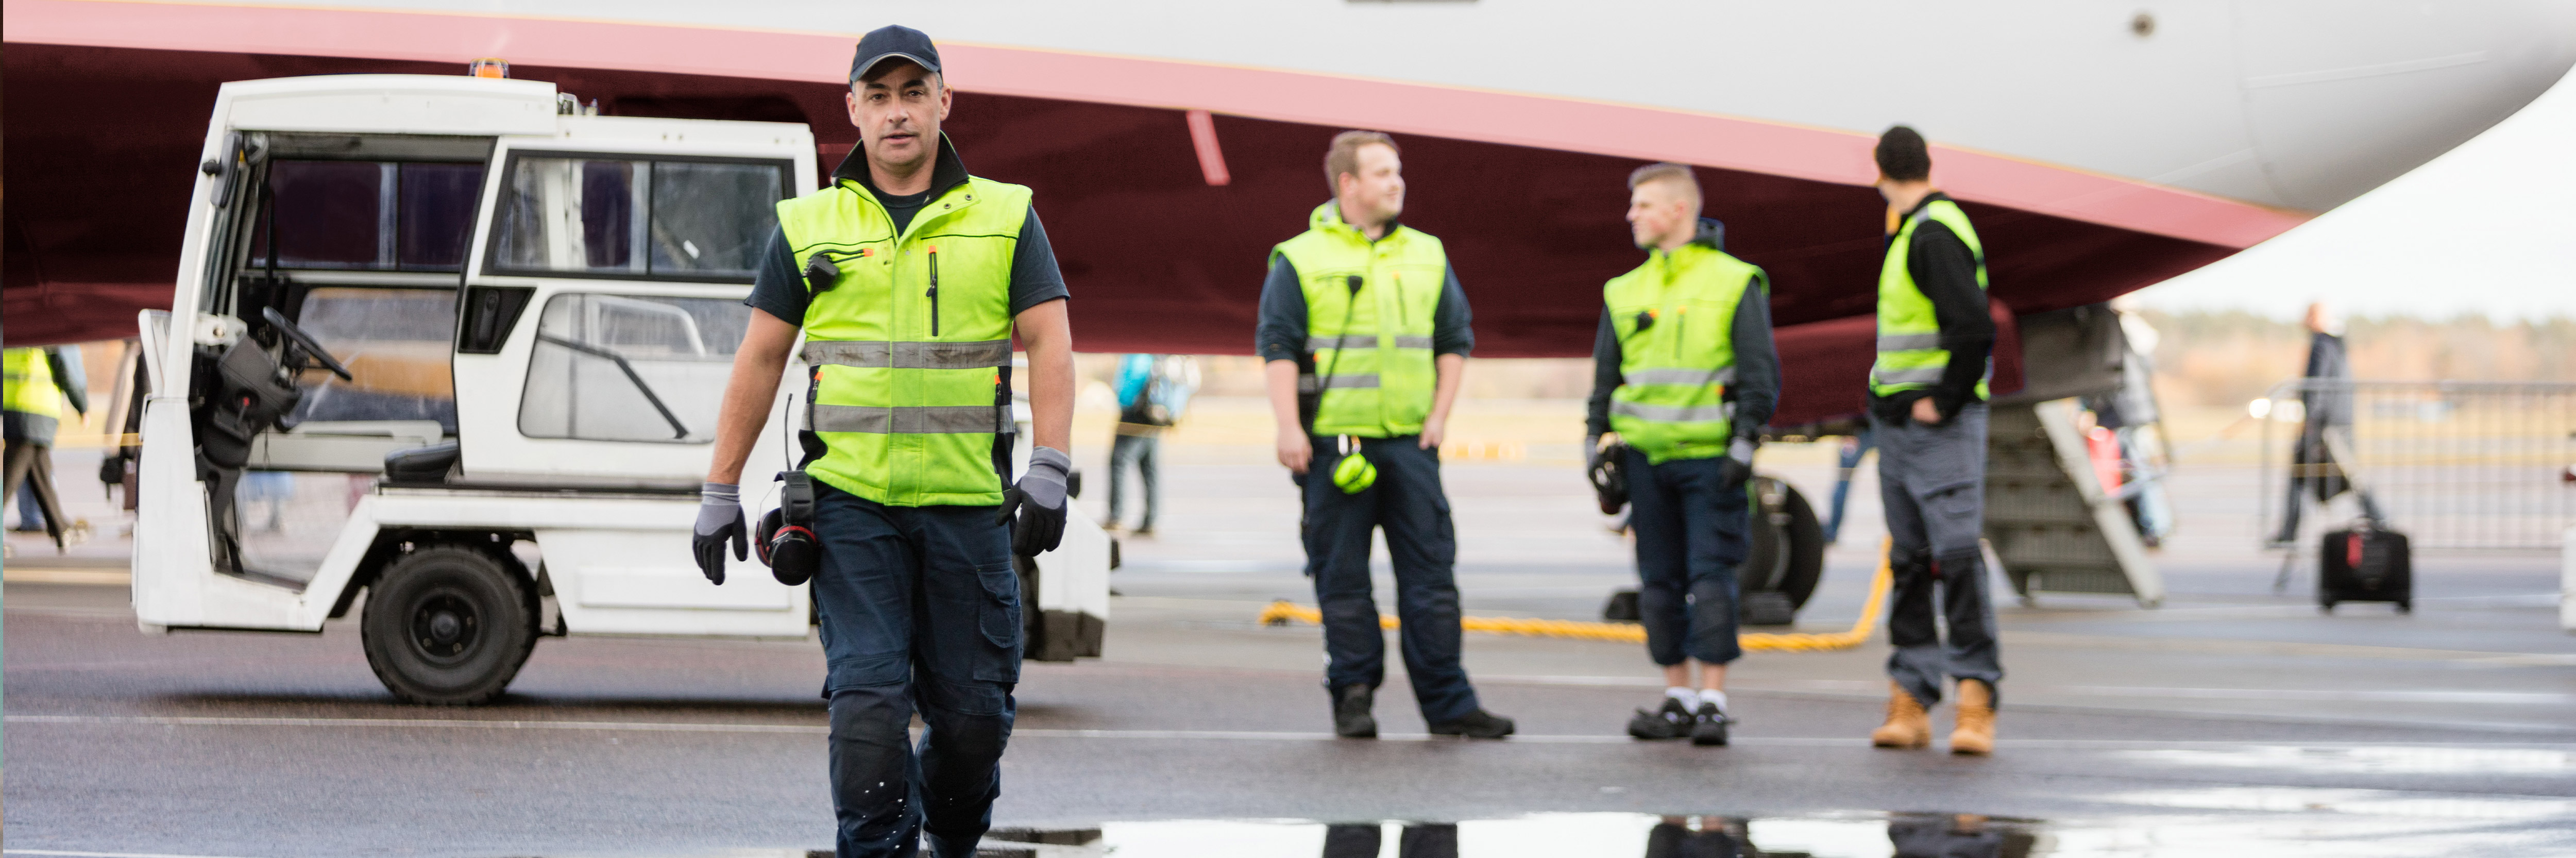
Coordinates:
934 292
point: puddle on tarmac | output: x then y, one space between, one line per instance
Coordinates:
2267 822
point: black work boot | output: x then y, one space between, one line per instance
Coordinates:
1672 721
1708 726
1479 724
1351 718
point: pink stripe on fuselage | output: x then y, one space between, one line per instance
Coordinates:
1618 130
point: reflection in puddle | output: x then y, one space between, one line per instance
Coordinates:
2365 802
2249 822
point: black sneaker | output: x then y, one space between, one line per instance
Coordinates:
1351 719
1671 722
1479 724
1709 726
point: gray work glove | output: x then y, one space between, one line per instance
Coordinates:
1039 502
1737 466
719 519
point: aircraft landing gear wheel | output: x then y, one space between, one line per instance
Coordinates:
448 626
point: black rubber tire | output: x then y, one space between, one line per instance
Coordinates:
1806 546
1765 563
448 626
1786 550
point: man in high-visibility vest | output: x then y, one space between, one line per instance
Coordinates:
39 381
1683 378
1365 334
909 278
1927 409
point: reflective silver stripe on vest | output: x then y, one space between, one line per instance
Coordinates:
1925 375
1355 341
1908 342
1306 383
874 354
1674 413
1363 341
1724 375
917 420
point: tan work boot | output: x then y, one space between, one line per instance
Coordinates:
1976 733
1908 726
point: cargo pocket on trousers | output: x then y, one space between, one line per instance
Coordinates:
1956 501
998 618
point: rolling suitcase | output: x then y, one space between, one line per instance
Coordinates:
2365 564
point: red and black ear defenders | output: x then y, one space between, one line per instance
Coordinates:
787 544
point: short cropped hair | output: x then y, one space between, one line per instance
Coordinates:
1668 171
1344 155
1902 155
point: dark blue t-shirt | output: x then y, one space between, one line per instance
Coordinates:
778 288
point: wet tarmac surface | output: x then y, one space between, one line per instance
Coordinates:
2233 721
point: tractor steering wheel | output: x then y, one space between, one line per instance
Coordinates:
305 342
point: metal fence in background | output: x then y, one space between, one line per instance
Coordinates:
2454 465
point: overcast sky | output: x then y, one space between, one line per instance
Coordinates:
2489 227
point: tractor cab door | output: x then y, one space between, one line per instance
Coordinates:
602 307
323 332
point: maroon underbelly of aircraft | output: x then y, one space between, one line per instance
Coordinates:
1161 218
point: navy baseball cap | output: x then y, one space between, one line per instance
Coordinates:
893 42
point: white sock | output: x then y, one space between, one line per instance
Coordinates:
1714 696
1689 697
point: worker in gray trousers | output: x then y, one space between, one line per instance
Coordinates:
1927 411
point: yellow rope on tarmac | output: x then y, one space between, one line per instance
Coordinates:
1283 612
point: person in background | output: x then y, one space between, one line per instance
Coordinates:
1153 390
39 382
1684 376
2326 422
2131 414
31 515
1364 336
1927 410
1847 463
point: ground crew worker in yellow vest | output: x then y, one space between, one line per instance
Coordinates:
910 278
39 381
1683 378
1927 410
1365 334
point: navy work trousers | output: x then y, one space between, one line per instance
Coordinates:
920 612
1690 540
1932 482
1406 500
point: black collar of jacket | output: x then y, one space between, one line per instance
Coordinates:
946 170
1711 235
1392 224
1928 199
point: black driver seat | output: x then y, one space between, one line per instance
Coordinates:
431 464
